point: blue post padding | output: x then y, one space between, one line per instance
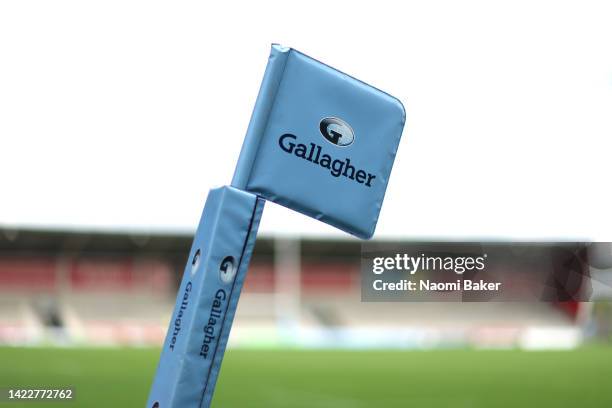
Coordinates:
207 300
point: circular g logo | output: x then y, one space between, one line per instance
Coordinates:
227 269
337 131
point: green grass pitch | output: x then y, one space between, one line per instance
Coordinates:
335 379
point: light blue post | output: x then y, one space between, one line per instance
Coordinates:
319 142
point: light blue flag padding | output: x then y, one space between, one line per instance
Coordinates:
319 142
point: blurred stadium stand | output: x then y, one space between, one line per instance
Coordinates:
68 287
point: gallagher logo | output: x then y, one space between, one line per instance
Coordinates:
337 131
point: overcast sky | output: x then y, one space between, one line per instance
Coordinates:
123 114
